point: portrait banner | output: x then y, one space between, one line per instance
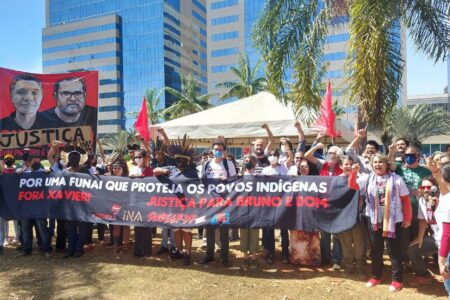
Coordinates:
308 203
40 108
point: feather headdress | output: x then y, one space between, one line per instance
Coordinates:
183 148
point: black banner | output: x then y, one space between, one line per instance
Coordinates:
306 203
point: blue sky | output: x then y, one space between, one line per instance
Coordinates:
21 23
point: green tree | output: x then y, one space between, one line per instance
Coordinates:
292 33
419 122
189 100
248 84
117 141
153 101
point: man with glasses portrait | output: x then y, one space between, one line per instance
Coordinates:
71 109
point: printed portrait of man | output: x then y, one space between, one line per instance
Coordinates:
26 95
71 108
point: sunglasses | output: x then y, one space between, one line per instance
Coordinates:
425 187
138 157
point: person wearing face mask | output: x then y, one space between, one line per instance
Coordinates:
331 166
143 235
184 154
218 168
269 234
412 174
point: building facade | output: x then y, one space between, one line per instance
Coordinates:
439 142
230 24
135 45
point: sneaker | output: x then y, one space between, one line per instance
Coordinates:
187 259
336 267
373 282
419 281
395 286
176 255
253 264
162 250
245 264
285 261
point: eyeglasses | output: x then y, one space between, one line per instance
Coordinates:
77 94
138 157
299 158
425 187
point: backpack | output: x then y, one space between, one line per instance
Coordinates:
206 165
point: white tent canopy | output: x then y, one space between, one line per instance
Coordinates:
241 120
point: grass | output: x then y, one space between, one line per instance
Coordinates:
99 275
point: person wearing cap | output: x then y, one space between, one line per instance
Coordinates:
218 168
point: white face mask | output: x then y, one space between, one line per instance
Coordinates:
62 163
139 161
273 160
283 149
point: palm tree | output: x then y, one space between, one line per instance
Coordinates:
419 122
247 84
338 110
291 34
117 141
153 101
189 100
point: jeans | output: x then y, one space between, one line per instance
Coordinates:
211 241
77 234
325 248
394 246
27 229
165 233
416 255
447 282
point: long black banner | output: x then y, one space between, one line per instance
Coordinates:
307 202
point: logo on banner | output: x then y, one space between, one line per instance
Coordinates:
220 219
132 216
115 209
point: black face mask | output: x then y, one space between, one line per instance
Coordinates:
9 162
35 166
249 166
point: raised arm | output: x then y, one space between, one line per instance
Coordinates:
164 135
53 152
391 156
319 136
101 151
301 137
436 172
269 134
362 133
309 155
290 155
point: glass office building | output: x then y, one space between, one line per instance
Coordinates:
135 44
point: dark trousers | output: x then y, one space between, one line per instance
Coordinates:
61 237
394 247
90 232
42 231
101 228
143 241
77 233
268 240
325 248
211 241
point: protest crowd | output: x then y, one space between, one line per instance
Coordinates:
403 204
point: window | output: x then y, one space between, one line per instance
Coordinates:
110 81
203 43
198 17
80 45
110 95
111 108
224 20
172 18
81 31
334 56
224 52
224 36
223 3
199 5
337 38
221 68
171 28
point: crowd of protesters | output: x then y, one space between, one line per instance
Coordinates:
404 204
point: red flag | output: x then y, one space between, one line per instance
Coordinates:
141 125
326 119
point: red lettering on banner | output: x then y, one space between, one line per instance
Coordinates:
77 196
310 201
31 196
276 201
289 201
